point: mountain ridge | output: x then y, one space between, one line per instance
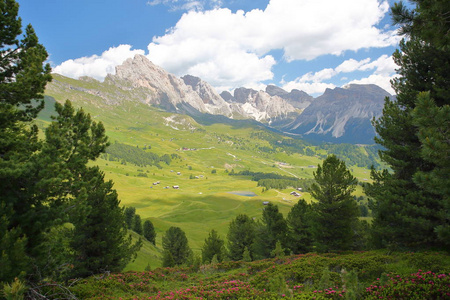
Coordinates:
339 115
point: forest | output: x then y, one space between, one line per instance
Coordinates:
64 233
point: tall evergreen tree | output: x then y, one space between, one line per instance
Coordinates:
129 216
241 235
336 211
137 224
299 223
149 231
407 213
176 247
213 246
100 240
272 229
23 77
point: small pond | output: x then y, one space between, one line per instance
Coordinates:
244 193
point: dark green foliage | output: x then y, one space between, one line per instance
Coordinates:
213 247
22 82
100 239
130 212
137 224
408 209
335 211
273 228
136 156
149 231
299 224
274 180
176 247
14 261
241 234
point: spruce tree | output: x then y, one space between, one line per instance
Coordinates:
299 223
137 224
213 246
23 77
149 231
407 212
273 228
176 247
129 216
336 211
241 235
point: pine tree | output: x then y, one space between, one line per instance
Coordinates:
241 235
213 246
175 245
336 211
273 228
100 239
23 77
129 216
137 224
149 231
407 212
298 220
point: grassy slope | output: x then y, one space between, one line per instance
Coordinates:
200 204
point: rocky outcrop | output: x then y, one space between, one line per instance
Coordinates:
342 114
298 99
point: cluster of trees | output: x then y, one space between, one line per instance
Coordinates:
330 224
134 222
411 202
274 180
46 184
137 156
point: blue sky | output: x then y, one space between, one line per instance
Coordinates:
309 45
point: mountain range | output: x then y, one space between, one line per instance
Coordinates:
339 115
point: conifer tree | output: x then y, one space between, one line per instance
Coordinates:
149 231
23 77
241 235
299 223
137 224
129 216
408 213
336 211
176 247
213 246
273 228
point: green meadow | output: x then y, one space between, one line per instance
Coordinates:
207 197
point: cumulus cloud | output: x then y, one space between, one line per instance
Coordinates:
231 49
97 66
383 71
204 43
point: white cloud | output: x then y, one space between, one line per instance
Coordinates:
97 66
204 43
232 49
383 71
311 88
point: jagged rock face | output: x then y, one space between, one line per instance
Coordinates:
213 102
165 90
342 114
296 98
259 105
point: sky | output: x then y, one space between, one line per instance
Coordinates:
308 45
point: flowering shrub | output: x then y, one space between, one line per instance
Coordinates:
306 276
420 285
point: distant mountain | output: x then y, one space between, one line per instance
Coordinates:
342 115
339 115
298 99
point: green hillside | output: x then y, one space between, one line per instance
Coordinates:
198 159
